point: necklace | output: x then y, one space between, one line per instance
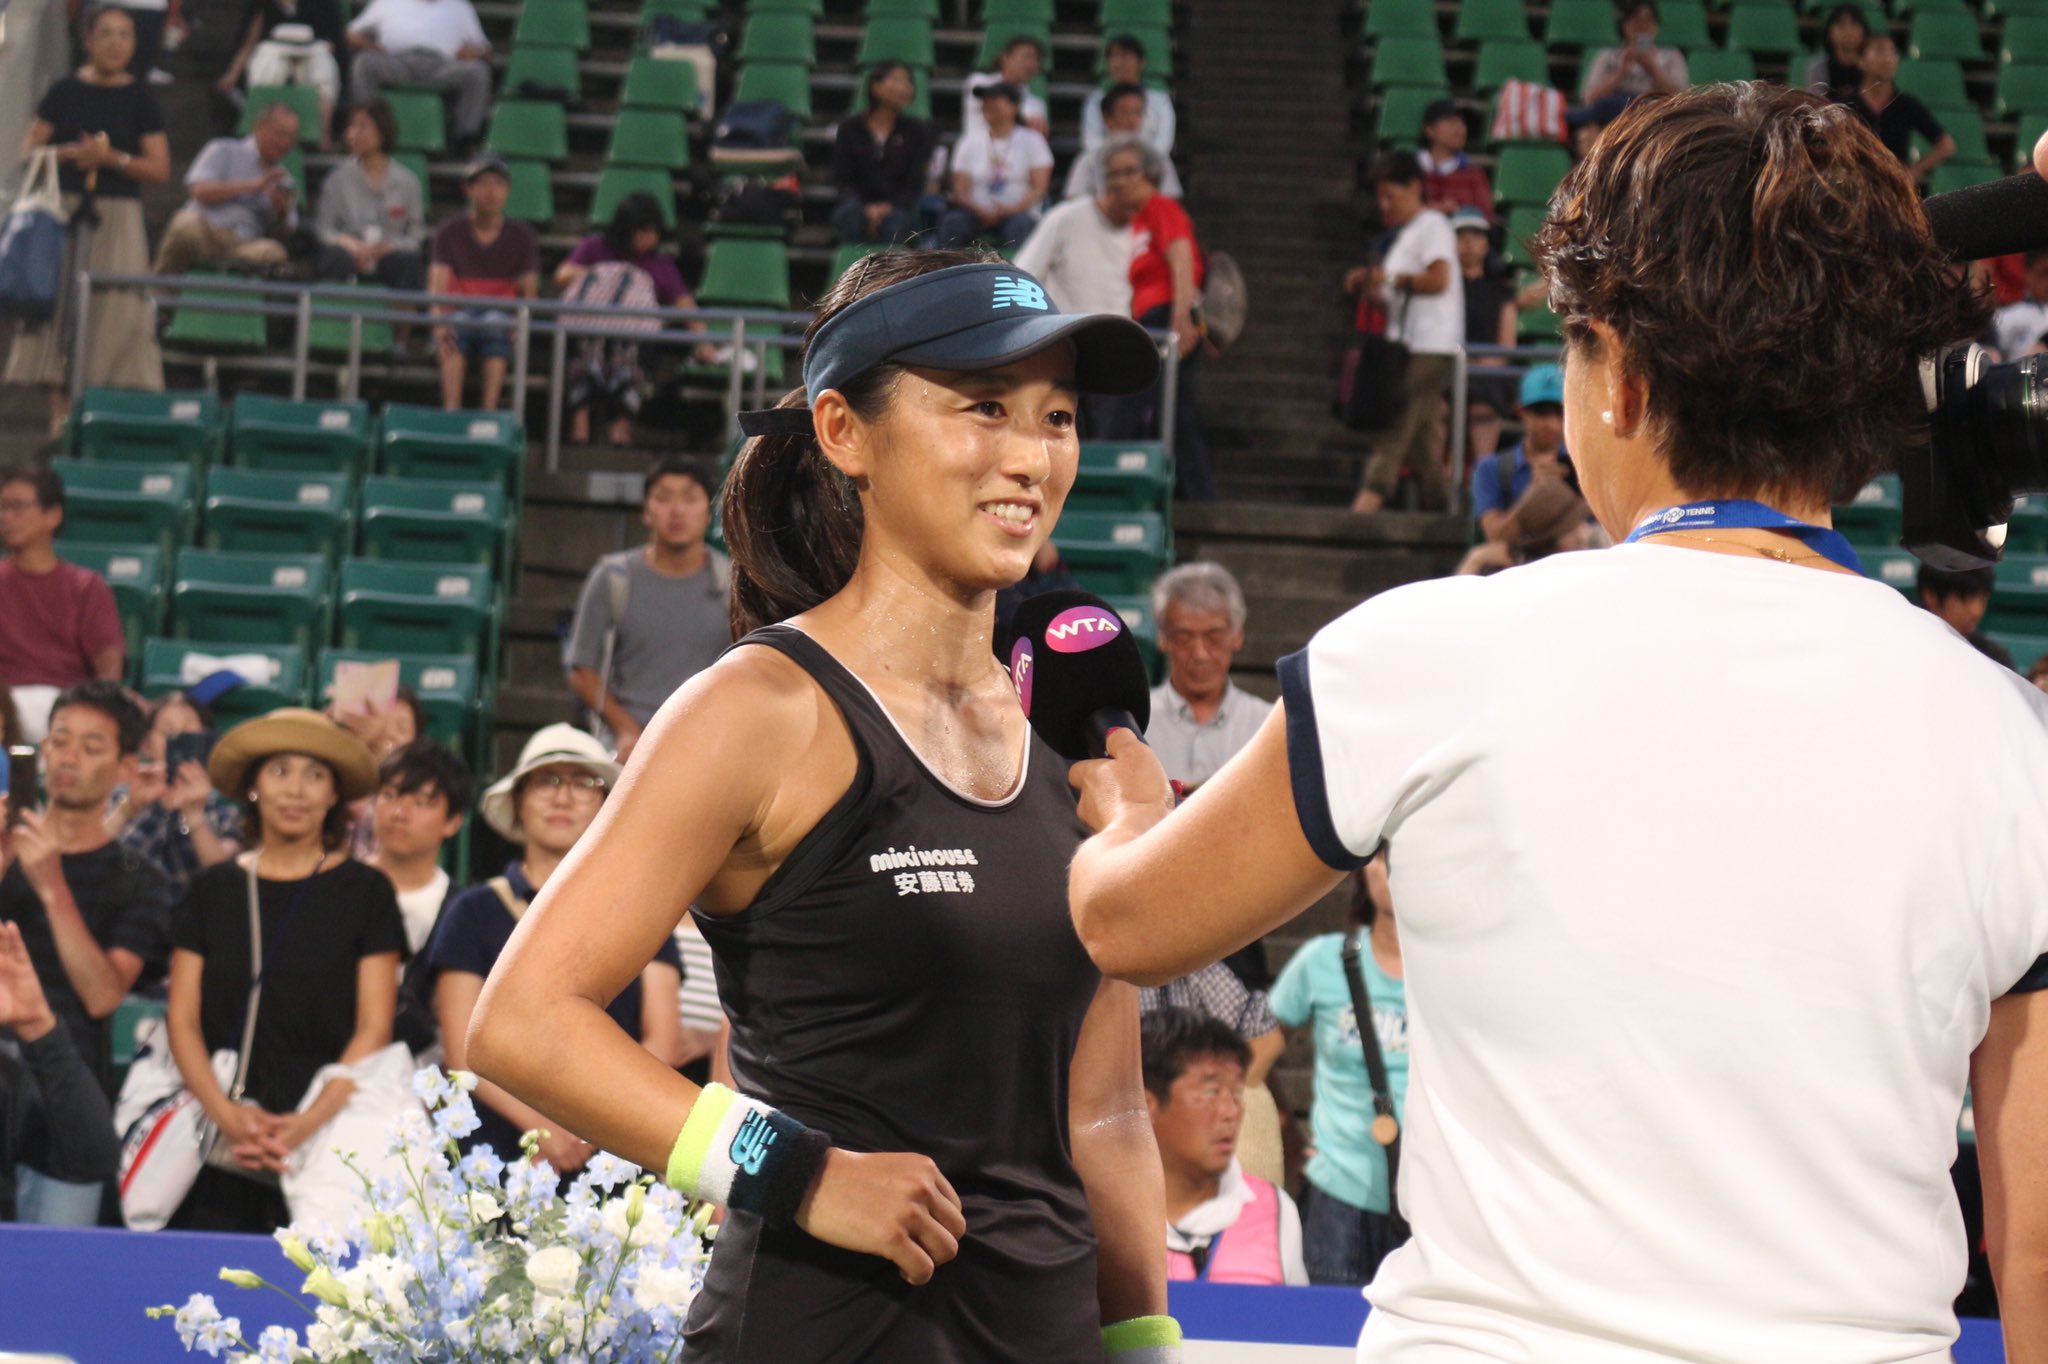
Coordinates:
1782 556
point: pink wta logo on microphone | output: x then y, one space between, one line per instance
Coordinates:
1082 628
1020 673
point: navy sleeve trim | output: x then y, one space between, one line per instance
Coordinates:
2035 979
1305 767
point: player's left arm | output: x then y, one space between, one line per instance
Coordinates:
2009 1093
1117 1159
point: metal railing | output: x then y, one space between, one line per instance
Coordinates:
746 331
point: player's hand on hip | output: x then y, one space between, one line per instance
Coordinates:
1129 783
896 1206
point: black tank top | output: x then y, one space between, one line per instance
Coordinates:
909 980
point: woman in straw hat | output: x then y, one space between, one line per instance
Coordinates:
331 937
544 805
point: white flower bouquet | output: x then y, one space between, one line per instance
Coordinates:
465 1258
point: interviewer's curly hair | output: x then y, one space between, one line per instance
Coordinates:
1771 275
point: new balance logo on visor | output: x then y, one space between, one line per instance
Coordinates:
1020 293
750 1144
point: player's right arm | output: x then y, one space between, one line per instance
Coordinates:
2009 1090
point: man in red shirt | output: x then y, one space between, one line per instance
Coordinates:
494 259
58 623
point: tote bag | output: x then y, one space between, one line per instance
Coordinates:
32 244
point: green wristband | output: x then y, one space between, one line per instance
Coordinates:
1142 1340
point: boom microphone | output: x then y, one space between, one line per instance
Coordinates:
1078 672
1994 219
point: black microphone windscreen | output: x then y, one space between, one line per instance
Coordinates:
1071 656
1993 219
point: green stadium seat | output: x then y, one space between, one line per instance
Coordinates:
173 427
746 273
430 521
1409 61
1121 16
2024 38
1505 59
814 8
1158 52
1537 327
1030 13
616 183
1874 517
2027 531
263 512
298 437
1893 567
1966 126
904 40
848 255
531 129
1936 84
1581 23
1713 65
1937 35
1117 476
2022 89
1114 552
144 505
449 686
787 83
1399 18
1479 21
419 442
530 196
1136 612
1904 8
135 573
903 9
540 72
303 99
779 36
1529 175
2012 9
274 674
552 23
2019 598
1400 112
659 83
998 30
1682 24
415 608
1772 29
263 598
649 137
1949 175
422 122
1524 221
129 1015
328 334
198 327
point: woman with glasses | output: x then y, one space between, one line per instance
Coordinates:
544 805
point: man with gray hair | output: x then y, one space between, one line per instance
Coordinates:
243 199
1200 718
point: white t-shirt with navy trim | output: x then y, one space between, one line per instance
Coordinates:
1708 871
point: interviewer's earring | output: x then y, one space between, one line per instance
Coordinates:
1608 416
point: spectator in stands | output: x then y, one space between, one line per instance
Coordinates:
489 257
1166 284
1081 251
1345 1191
1491 307
1001 172
1639 66
1836 71
1217 992
383 729
1895 115
1017 65
1124 115
1123 58
880 158
1550 518
55 1120
1419 284
1499 480
243 200
650 619
330 983
423 793
1200 718
437 43
543 805
1223 1224
372 218
1451 180
1961 599
2022 323
621 266
2038 674
58 622
290 42
106 125
95 917
175 821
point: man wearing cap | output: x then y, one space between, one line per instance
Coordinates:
1490 311
243 199
437 43
487 256
1450 179
1001 172
1500 480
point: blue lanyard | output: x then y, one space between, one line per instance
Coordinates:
1741 514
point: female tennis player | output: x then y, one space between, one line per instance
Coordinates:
938 1149
1710 896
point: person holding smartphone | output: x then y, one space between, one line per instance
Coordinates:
170 814
1638 66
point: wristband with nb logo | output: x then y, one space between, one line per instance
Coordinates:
744 1155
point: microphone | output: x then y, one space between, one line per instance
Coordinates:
1994 219
1078 672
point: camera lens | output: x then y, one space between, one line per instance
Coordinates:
2008 412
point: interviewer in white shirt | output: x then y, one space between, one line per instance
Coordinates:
1723 868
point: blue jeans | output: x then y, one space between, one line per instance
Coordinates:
960 228
483 343
1341 1244
55 1202
849 220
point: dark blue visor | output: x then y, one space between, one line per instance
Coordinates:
965 317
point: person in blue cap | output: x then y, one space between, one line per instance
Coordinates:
1500 479
935 1146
